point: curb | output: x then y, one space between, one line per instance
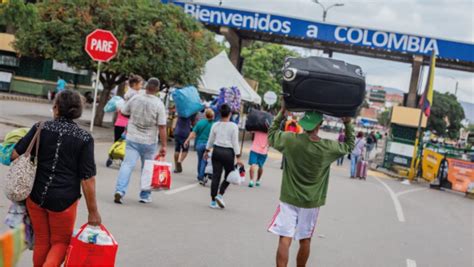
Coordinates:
23 98
387 172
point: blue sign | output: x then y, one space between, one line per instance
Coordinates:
297 28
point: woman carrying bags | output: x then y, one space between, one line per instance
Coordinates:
224 142
201 132
65 164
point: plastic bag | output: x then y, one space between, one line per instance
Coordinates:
230 96
6 154
187 101
258 121
234 177
92 246
114 103
241 173
156 175
208 169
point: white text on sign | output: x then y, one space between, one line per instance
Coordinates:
101 45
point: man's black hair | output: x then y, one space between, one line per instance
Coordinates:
225 110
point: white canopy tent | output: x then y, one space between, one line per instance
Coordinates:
220 72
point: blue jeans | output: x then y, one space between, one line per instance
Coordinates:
133 152
201 148
354 160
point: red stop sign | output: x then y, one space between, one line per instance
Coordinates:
101 45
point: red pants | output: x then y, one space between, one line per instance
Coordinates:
53 231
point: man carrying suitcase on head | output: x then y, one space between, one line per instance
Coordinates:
305 180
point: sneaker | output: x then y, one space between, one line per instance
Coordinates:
213 205
146 200
257 184
220 201
251 184
118 198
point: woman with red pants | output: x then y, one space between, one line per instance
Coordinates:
65 164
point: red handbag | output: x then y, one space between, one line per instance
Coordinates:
81 253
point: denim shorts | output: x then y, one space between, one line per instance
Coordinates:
257 159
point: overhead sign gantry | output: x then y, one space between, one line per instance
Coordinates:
239 26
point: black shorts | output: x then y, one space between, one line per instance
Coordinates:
179 144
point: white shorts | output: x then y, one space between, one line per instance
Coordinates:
294 222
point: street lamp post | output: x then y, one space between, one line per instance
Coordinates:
325 14
326 9
456 86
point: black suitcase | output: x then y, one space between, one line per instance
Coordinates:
329 86
258 121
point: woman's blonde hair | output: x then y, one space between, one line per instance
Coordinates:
209 114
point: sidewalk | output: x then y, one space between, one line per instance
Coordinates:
16 114
22 98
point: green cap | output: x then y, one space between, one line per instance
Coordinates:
311 120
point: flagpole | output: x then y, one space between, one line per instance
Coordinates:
427 94
412 173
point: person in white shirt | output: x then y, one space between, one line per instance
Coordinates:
224 142
357 153
147 122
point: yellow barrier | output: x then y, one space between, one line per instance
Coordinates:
430 166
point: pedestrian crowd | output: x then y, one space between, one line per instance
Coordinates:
66 163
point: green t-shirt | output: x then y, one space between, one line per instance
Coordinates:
202 130
307 164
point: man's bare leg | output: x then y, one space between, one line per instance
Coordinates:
177 164
183 157
303 252
252 172
283 251
260 173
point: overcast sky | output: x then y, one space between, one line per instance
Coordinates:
449 19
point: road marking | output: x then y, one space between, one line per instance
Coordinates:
396 202
410 191
411 263
181 189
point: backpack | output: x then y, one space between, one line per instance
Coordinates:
369 140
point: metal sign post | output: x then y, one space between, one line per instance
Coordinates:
97 80
102 46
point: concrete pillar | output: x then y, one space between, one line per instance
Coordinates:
235 46
414 80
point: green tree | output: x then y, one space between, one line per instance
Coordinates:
470 128
384 117
263 62
446 115
154 40
16 13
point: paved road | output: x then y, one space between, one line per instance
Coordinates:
378 222
359 226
